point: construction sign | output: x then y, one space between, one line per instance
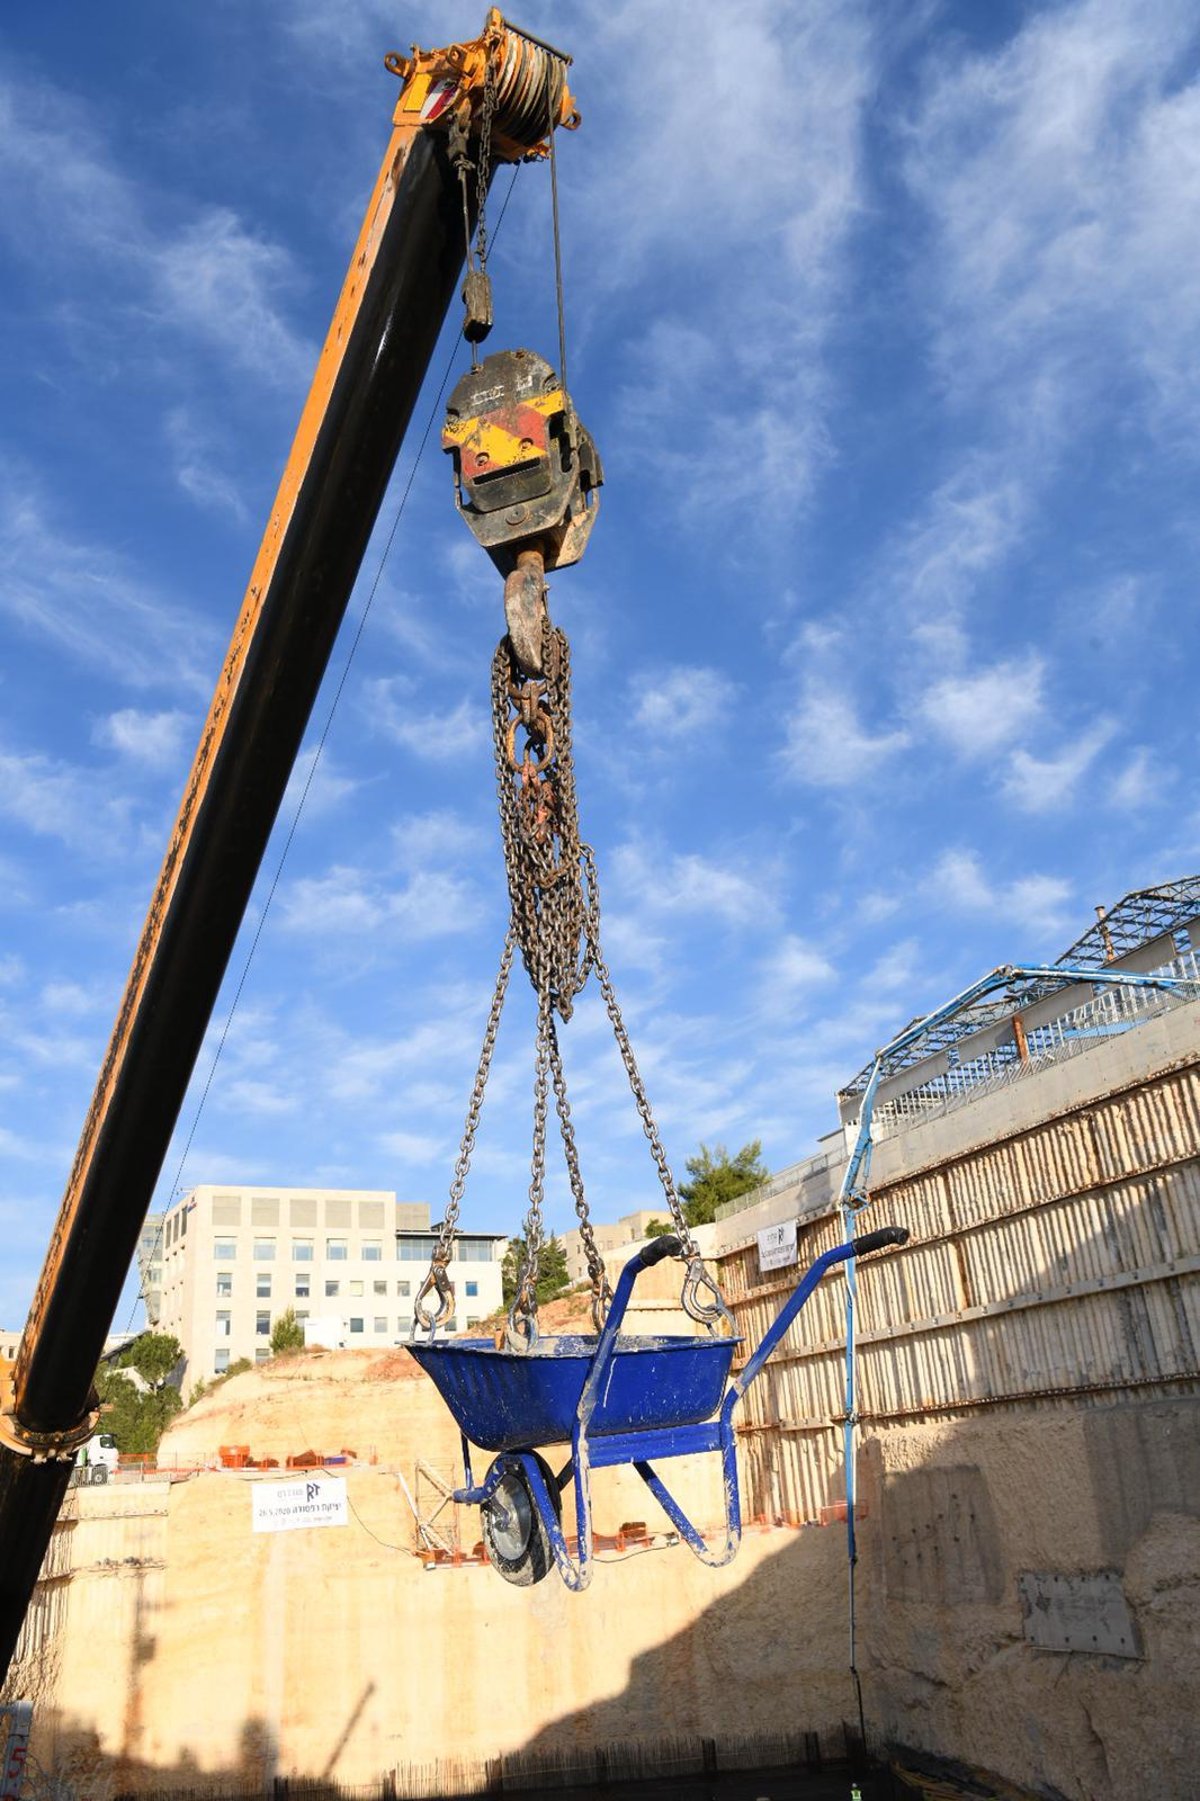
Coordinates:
292 1506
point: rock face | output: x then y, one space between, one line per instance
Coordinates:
197 1648
191 1649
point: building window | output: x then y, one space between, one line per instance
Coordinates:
264 1250
418 1250
472 1320
262 1353
356 1325
223 1320
331 1288
403 1289
380 1287
262 1287
262 1324
183 1220
302 1250
472 1288
372 1251
335 1250
220 1361
380 1323
473 1250
356 1288
301 1315
303 1286
225 1282
225 1250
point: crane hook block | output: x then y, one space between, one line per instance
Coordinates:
526 473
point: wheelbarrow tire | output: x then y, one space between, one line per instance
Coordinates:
518 1542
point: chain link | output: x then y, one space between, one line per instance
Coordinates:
483 166
437 1279
539 821
554 896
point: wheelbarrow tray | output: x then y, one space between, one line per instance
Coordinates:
507 1400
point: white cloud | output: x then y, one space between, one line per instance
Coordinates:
197 469
67 998
263 1100
1061 175
979 713
400 708
680 702
208 278
1143 782
971 524
959 880
318 784
440 838
731 398
349 904
792 970
1037 903
224 282
412 1147
1044 784
91 602
152 738
827 746
56 800
687 884
895 969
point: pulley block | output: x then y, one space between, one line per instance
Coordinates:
526 473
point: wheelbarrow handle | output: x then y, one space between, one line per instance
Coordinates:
840 1253
650 1254
666 1245
879 1240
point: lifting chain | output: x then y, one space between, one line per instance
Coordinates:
555 900
539 820
438 1281
478 312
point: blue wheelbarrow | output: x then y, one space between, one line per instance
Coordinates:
613 1400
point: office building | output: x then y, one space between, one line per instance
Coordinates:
233 1259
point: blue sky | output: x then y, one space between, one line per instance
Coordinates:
886 320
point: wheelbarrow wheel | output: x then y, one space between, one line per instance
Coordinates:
515 1535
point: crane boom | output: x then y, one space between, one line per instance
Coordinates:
406 264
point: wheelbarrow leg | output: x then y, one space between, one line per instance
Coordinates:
713 1555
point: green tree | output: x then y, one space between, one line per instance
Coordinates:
136 1420
287 1334
716 1177
658 1228
153 1355
552 1269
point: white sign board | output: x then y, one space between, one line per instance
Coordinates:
777 1246
289 1506
15 1722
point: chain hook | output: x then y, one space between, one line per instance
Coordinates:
521 1331
708 1313
437 1281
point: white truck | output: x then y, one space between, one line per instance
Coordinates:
99 1457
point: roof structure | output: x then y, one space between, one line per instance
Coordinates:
1142 918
